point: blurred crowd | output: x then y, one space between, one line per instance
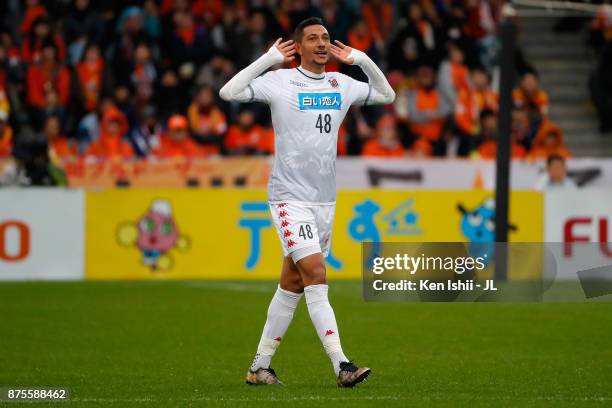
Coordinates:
109 79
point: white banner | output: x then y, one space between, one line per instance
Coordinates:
461 174
42 234
583 223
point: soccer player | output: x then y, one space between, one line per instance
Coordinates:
308 106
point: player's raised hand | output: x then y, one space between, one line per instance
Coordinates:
286 48
341 52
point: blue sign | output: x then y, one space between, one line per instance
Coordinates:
309 101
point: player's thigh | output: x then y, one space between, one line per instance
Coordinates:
324 216
291 279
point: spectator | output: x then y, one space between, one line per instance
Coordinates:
453 76
523 129
254 41
143 75
176 142
146 135
82 21
379 17
88 129
471 102
529 95
387 142
60 147
601 26
82 25
191 42
47 75
39 37
152 20
217 72
6 135
207 121
487 148
415 44
361 38
33 11
556 176
336 16
129 34
247 137
421 149
90 73
110 144
549 142
427 110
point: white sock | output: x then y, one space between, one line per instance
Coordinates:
280 314
324 320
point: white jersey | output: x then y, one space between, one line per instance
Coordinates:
307 111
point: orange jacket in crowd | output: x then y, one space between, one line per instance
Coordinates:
373 148
111 144
427 114
38 79
548 141
256 138
212 122
30 53
379 19
61 148
421 148
170 148
470 104
488 150
90 76
6 141
29 16
538 100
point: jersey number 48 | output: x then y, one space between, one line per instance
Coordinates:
324 123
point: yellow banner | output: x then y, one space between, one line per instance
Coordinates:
228 234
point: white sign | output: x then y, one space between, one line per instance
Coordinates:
460 174
582 222
42 234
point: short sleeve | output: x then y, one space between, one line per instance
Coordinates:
263 87
360 92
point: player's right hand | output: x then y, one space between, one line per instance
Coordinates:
287 49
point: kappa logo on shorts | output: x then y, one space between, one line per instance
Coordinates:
320 101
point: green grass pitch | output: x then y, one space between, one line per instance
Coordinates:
189 344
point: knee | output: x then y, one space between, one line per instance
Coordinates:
315 274
293 284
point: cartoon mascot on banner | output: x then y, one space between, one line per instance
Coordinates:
155 234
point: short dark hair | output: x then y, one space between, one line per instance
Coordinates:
553 158
299 29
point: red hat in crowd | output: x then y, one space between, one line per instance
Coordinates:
177 122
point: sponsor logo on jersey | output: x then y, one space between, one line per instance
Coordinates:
310 101
296 83
333 82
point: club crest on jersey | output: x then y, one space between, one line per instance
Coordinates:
310 101
333 82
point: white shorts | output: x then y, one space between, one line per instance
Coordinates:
303 228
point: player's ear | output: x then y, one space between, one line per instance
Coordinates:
298 48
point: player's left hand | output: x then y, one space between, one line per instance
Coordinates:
342 52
